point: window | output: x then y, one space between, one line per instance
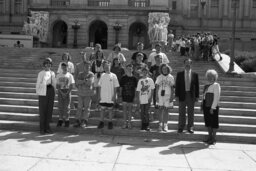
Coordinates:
215 3
100 3
233 2
18 7
1 6
60 2
174 5
194 8
254 3
138 3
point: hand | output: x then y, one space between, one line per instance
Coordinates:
211 111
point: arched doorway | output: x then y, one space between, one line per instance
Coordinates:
138 33
60 34
98 33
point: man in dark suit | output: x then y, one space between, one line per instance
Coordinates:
187 93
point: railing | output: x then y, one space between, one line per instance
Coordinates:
100 3
139 3
60 2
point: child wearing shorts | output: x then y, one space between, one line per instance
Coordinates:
164 96
128 84
145 89
108 85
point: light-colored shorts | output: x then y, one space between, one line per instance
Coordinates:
164 101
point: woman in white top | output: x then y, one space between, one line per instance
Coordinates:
211 98
45 89
116 54
66 58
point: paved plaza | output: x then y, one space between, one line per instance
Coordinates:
66 151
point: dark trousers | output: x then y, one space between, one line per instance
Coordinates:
144 113
189 104
46 108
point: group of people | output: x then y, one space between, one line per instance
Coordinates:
112 80
200 46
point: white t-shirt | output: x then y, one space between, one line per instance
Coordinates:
65 80
107 83
151 58
71 68
119 56
145 86
165 83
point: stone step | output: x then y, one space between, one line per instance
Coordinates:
171 134
34 102
34 109
227 119
19 84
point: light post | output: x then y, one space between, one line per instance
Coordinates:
203 3
75 26
117 27
232 55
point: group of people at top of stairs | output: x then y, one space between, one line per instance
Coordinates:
144 80
200 46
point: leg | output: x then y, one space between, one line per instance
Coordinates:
87 106
129 107
182 115
142 116
190 112
60 106
147 116
79 111
50 99
125 108
42 112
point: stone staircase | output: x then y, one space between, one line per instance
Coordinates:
19 103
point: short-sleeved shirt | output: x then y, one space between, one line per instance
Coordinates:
155 71
137 69
128 85
65 80
84 89
119 56
108 82
151 58
71 68
145 86
165 83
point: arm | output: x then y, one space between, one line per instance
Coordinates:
196 87
216 97
177 86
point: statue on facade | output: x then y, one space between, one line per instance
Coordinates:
157 30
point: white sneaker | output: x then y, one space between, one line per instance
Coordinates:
160 129
165 127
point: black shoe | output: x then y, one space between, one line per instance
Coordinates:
83 123
191 131
67 123
110 125
180 130
48 131
77 124
101 125
59 123
143 126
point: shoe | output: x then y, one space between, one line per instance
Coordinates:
83 123
148 129
207 140
191 131
77 124
48 131
59 123
67 123
143 126
129 125
180 131
160 128
165 128
212 142
101 125
110 125
125 125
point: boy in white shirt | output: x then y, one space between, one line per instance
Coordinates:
108 84
144 91
65 83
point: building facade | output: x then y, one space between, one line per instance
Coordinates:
125 21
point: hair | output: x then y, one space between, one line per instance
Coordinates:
129 65
98 45
117 46
105 63
187 59
48 59
99 51
211 73
64 64
140 43
113 62
167 66
68 55
145 69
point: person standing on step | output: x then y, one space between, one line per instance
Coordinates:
144 90
128 84
66 58
85 90
140 47
108 88
45 89
211 98
65 84
164 95
151 58
186 93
